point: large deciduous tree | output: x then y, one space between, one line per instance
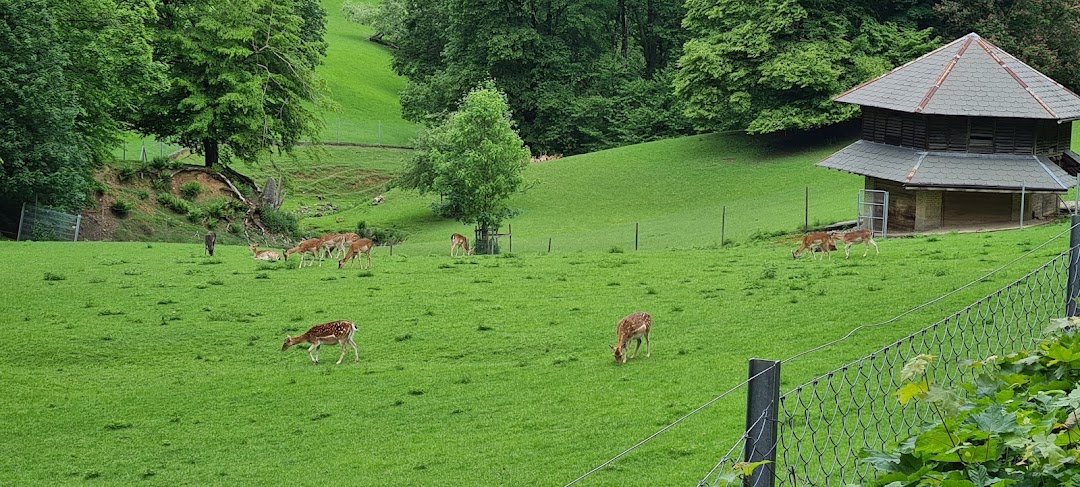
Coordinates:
474 159
574 72
774 65
241 76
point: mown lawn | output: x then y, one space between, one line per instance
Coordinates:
136 363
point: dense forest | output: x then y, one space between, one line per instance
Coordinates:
235 79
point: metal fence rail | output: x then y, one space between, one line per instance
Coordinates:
38 223
826 423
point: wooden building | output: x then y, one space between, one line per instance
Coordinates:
958 135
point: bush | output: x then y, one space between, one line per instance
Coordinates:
125 174
196 215
173 203
191 190
382 236
279 222
143 194
122 207
1016 423
162 183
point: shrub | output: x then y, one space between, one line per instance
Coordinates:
173 203
383 236
1016 424
191 190
279 222
162 183
143 194
196 215
125 174
122 207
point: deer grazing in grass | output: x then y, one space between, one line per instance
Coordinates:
814 241
268 255
853 237
359 247
309 246
210 240
339 332
634 327
459 240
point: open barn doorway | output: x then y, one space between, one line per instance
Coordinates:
873 211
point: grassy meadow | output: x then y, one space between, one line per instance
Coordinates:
153 364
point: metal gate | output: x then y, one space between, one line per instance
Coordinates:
873 211
37 223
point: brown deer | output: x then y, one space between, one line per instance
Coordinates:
813 241
633 327
210 240
856 236
268 255
340 332
309 246
358 247
459 240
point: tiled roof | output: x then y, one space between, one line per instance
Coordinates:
950 169
968 77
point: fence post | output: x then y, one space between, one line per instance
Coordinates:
510 236
635 235
22 216
549 245
762 401
1023 196
806 212
78 225
723 223
1073 285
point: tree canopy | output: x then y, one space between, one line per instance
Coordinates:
776 64
474 159
241 76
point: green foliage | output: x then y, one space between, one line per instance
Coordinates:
173 203
381 236
279 222
1032 32
477 160
191 190
776 64
122 207
1015 424
241 76
570 69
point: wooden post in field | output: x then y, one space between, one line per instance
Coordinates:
510 236
723 223
806 212
762 400
549 245
635 236
391 249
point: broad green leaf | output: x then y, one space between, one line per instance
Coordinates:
994 419
916 367
910 390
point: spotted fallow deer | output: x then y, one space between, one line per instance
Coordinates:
340 332
268 255
813 241
459 240
634 327
309 246
358 248
856 236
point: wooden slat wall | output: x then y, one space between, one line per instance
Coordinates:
979 135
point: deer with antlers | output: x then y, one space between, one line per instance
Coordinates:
853 237
633 327
267 255
309 246
459 240
814 241
358 248
334 332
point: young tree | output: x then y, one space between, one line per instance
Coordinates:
474 159
242 76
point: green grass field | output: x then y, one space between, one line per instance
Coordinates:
136 363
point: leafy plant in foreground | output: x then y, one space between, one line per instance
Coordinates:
1015 425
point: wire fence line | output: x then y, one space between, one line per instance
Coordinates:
825 424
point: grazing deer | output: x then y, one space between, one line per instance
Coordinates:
210 240
309 246
329 243
268 255
633 327
856 236
813 241
358 247
340 332
459 240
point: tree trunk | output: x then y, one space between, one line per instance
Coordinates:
210 147
624 29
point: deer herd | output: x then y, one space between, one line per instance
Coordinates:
350 246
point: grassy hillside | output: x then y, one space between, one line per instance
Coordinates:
153 364
676 190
